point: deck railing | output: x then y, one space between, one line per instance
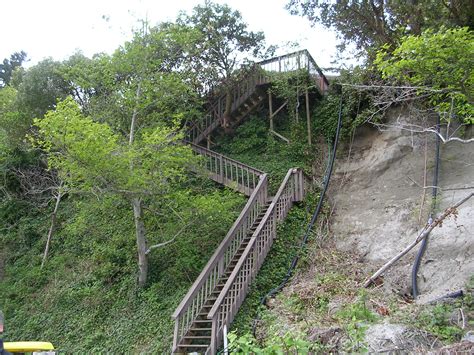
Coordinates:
227 171
237 286
296 61
258 74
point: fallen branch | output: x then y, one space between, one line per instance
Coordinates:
424 233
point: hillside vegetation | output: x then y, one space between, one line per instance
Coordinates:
104 226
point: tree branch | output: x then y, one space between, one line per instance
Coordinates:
159 245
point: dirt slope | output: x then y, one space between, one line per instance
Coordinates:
377 192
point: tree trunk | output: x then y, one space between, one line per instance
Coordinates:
137 207
227 112
52 227
141 241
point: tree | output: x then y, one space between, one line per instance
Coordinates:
441 60
9 65
12 123
224 42
372 23
131 104
40 87
91 158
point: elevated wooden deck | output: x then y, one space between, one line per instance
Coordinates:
247 94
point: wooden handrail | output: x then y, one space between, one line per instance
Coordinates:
201 289
220 249
200 149
246 252
237 285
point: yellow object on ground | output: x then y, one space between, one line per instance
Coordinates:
27 346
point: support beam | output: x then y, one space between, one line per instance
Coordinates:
280 136
270 109
280 108
308 116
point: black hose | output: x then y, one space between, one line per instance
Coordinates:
327 178
451 295
434 193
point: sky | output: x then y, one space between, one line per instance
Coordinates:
58 28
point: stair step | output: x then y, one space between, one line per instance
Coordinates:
197 337
200 329
193 346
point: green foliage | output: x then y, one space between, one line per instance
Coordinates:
86 299
438 59
355 318
370 24
440 319
40 87
9 66
12 123
224 39
276 345
291 86
356 106
90 156
436 321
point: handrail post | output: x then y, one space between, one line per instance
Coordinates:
296 189
175 336
220 266
221 169
255 260
213 345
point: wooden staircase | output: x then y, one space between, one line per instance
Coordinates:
248 92
199 335
215 297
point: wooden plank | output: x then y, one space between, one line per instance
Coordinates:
280 136
280 108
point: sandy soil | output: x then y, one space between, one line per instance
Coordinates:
377 193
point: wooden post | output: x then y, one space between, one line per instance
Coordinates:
270 107
308 117
297 108
208 141
221 168
214 344
176 334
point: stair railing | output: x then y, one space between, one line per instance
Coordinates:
236 288
246 86
240 92
296 61
227 171
198 294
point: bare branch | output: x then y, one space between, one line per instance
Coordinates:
160 245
